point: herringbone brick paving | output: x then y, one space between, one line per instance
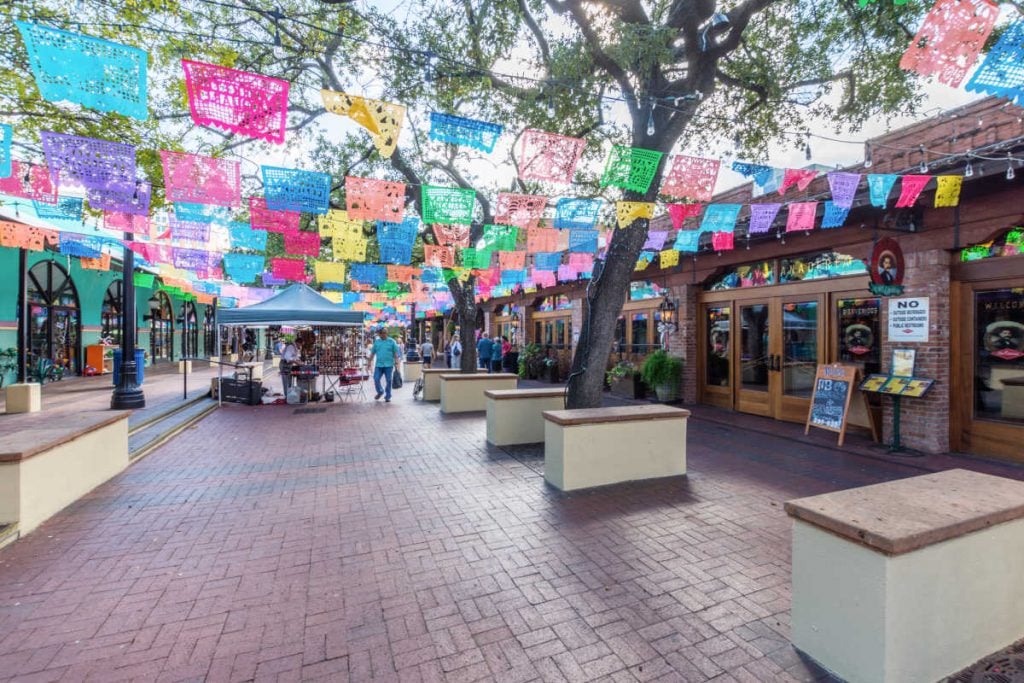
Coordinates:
387 542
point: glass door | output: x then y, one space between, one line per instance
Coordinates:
797 353
754 358
715 348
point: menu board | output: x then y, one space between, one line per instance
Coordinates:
833 386
914 387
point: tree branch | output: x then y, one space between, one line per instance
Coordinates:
538 35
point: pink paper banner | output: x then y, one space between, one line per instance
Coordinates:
29 181
237 101
262 218
543 278
910 189
566 273
523 210
691 178
302 243
548 157
125 222
541 239
511 260
844 187
801 177
581 263
801 216
154 253
722 241
196 179
680 212
289 269
367 199
949 40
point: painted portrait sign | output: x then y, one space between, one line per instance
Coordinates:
887 268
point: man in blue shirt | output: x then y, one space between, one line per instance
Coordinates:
385 352
483 352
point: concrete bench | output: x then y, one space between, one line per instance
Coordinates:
432 382
598 446
47 464
517 415
465 393
412 371
910 580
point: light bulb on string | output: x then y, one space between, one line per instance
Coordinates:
650 119
968 170
924 163
1010 175
868 161
807 148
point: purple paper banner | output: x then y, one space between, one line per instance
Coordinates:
92 163
844 187
195 259
655 240
762 216
193 231
127 197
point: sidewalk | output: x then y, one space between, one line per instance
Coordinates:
375 541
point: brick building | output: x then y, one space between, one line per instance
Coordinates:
754 322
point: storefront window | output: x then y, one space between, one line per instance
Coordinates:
817 266
620 334
110 315
858 333
999 354
800 358
640 290
161 330
640 326
718 345
54 323
1011 243
558 302
757 274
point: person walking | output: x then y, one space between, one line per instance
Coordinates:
427 352
385 353
506 346
456 353
484 348
496 354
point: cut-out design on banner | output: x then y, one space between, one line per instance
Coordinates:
801 216
348 249
195 259
39 186
627 212
577 213
910 189
523 210
761 217
1002 72
263 218
102 262
132 197
92 72
398 253
680 212
244 237
192 231
879 187
544 278
367 199
452 234
457 130
74 160
631 168
237 101
722 241
73 244
843 187
18 236
293 189
204 213
801 177
835 215
501 237
447 204
720 217
196 179
368 273
644 260
511 260
688 241
547 260
293 269
404 232
302 243
66 208
478 259
566 273
656 240
336 223
6 135
152 253
949 40
122 221
691 178
583 241
382 119
668 258
327 271
760 173
440 257
548 156
541 239
948 191
243 267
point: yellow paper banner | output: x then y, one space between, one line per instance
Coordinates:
336 297
668 258
348 249
382 119
327 271
336 223
948 191
627 212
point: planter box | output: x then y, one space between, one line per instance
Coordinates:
465 393
629 387
516 416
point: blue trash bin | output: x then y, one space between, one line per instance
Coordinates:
140 361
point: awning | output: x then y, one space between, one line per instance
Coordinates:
297 305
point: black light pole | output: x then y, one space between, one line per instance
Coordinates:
22 374
128 394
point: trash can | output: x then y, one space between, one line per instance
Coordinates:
140 360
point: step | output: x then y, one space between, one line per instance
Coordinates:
8 533
147 437
139 421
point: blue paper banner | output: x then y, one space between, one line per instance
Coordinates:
1002 72
242 236
394 252
201 213
292 189
457 130
92 72
6 134
580 214
645 259
243 267
66 208
351 297
761 174
835 215
583 241
879 187
720 217
270 281
86 246
404 232
687 241
547 260
513 277
432 276
368 273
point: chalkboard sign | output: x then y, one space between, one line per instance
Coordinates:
830 403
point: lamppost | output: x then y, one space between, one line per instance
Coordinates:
128 394
667 323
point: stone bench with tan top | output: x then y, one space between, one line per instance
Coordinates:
599 446
910 580
412 370
432 382
464 393
47 464
516 416
26 397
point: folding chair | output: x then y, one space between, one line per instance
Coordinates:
351 379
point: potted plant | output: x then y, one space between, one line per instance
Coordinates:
528 361
624 380
662 372
550 372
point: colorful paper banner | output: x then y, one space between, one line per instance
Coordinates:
761 174
720 217
66 209
950 38
501 237
126 222
523 210
382 119
1002 73
688 241
541 239
327 271
452 234
302 243
583 240
399 253
6 135
577 213
293 189
948 191
844 188
801 177
631 168
457 130
242 236
237 101
691 178
447 204
440 257
128 197
349 249
879 187
761 217
204 213
403 233
336 223
668 258
910 189
548 157
722 241
243 267
197 179
835 215
39 186
547 260
74 160
656 240
263 218
680 212
628 212
289 269
801 216
368 273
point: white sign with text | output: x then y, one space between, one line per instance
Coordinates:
908 320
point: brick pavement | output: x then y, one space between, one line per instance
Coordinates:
387 542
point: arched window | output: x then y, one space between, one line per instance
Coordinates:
209 333
54 318
110 314
161 331
189 325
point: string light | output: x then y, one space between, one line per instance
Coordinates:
924 160
868 161
968 169
650 119
1010 175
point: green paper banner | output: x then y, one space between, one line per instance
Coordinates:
447 205
476 258
143 279
501 237
631 168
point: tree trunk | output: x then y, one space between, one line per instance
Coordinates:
465 304
606 295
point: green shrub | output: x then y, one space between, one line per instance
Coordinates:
661 369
